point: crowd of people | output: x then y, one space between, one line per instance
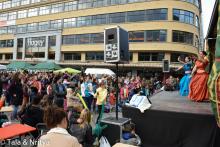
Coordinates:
65 102
34 95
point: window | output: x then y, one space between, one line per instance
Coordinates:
83 39
72 56
1 57
136 16
4 16
150 56
197 3
20 42
69 39
42 26
156 35
157 56
136 36
99 19
183 16
100 3
84 21
197 21
6 43
196 41
115 2
15 3
70 22
33 12
11 29
117 18
8 56
52 41
84 4
35 1
70 6
183 37
97 38
25 2
55 24
94 56
21 28
44 10
0 5
32 27
22 14
3 30
6 4
174 56
57 8
144 56
156 14
12 15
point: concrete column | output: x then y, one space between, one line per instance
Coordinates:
15 49
83 57
3 57
135 57
167 56
58 48
23 49
46 48
169 36
170 14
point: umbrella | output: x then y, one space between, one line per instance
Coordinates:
69 70
3 67
99 71
15 65
46 66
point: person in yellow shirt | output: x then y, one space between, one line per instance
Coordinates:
101 95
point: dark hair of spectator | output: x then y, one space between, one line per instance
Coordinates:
204 53
36 100
53 116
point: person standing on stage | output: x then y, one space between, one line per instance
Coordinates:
185 81
198 85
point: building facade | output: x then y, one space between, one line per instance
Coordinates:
71 32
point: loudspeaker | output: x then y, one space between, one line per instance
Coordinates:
116 45
166 65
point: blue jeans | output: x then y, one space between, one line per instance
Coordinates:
88 100
14 112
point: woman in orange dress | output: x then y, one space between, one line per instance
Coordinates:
198 85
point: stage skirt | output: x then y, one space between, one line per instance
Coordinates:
184 85
198 89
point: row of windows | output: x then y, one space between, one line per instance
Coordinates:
7 56
132 16
16 3
56 8
195 2
99 56
6 43
134 36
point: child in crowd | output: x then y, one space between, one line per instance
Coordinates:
129 135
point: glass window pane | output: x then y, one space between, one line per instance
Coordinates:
44 10
43 26
33 12
56 8
22 14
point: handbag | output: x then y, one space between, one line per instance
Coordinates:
104 142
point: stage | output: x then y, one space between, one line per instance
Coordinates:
172 101
175 121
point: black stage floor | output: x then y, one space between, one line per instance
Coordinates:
172 101
175 121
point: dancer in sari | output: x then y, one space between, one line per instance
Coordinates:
198 85
185 81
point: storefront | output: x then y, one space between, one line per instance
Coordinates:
38 46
